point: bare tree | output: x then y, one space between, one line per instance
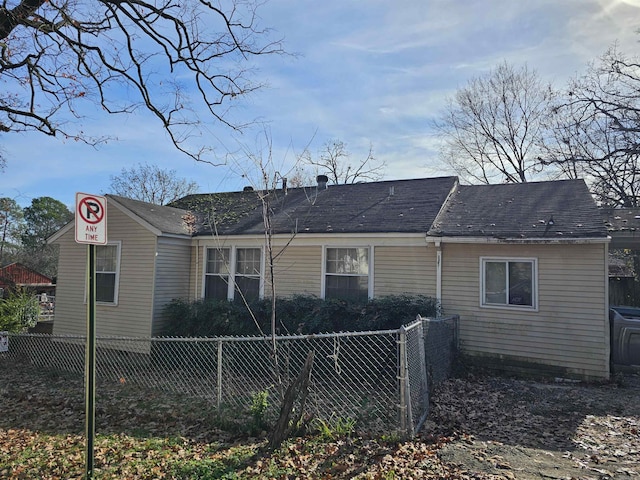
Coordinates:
268 186
492 127
60 58
299 176
152 184
334 160
595 130
3 160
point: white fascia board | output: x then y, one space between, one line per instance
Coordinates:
516 241
175 235
335 239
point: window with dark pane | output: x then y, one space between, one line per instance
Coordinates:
509 282
521 283
106 273
248 269
347 273
216 284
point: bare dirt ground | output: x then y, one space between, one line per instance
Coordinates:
506 428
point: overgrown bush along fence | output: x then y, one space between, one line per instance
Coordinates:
379 380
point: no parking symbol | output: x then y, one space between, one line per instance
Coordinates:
91 219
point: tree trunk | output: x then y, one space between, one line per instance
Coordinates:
298 388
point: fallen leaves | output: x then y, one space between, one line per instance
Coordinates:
480 428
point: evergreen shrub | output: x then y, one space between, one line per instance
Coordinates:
300 314
19 311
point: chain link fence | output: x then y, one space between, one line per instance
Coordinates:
378 380
431 351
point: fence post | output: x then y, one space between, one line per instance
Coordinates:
424 376
219 379
405 398
4 341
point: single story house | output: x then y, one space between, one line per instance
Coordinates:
524 265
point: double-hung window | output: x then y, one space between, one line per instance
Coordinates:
107 269
509 282
233 273
347 273
248 268
216 283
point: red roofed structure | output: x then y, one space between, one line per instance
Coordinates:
19 275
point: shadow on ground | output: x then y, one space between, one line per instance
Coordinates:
53 403
526 413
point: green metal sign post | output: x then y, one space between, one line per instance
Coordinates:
90 362
91 229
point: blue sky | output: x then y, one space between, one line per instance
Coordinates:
368 72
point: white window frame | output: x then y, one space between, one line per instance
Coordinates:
116 288
370 275
260 276
206 263
534 280
233 255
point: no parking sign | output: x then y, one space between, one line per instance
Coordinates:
91 219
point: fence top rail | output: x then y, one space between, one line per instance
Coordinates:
48 335
107 338
439 319
410 326
255 338
278 337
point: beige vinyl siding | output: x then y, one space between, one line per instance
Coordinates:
569 330
172 276
195 275
401 265
298 271
132 315
400 270
71 310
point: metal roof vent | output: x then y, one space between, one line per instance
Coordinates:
322 181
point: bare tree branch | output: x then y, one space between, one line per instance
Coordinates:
335 161
59 58
595 130
151 184
491 128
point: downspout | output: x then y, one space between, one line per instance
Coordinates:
438 244
195 282
435 228
608 332
438 271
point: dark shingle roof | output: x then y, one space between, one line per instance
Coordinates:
623 225
521 211
622 219
390 206
168 220
511 211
